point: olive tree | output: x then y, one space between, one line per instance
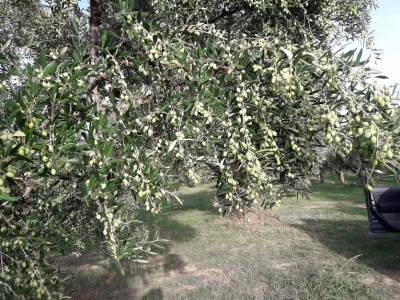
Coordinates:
108 124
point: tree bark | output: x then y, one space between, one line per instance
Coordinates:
96 12
340 174
322 175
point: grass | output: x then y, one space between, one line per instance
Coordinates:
317 248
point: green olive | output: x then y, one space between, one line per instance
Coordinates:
10 174
21 151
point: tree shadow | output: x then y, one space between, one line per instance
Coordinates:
352 191
360 210
153 294
350 238
199 197
102 279
337 192
173 262
96 277
197 200
173 230
160 266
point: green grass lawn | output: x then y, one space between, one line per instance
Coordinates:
317 248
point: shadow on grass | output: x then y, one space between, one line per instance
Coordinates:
351 191
337 192
349 197
103 280
202 201
159 267
95 277
359 211
153 294
350 238
173 230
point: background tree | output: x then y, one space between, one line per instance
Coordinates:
331 162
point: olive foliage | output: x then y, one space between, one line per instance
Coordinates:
99 130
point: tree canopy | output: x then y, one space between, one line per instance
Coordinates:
113 111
